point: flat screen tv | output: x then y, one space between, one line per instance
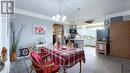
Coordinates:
102 35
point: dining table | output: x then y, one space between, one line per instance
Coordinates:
64 56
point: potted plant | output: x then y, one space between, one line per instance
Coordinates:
15 38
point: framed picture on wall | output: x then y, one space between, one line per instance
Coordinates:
39 29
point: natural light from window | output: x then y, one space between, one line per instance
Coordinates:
0 32
88 32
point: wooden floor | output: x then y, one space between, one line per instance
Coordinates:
21 66
94 64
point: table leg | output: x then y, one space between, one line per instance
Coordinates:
80 66
65 69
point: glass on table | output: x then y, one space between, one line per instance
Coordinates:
64 47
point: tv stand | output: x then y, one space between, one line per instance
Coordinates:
101 47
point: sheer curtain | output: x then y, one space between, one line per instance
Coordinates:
0 28
0 32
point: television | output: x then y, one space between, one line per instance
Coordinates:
103 35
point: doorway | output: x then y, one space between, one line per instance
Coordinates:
58 33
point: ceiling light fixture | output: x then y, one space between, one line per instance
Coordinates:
60 17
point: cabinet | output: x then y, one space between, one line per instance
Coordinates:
120 39
58 33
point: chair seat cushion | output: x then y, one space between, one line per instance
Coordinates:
55 67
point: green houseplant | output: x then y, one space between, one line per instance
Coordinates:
15 38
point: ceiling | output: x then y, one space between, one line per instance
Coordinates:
88 8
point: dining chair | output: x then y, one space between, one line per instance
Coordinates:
40 66
44 51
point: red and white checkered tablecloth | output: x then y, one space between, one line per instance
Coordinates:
67 57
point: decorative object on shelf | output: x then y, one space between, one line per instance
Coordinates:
39 29
58 44
15 38
24 52
3 54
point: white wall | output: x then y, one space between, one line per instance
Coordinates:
4 31
27 36
66 30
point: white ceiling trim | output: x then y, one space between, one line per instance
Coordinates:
32 14
36 15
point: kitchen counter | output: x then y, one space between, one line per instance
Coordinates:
79 43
